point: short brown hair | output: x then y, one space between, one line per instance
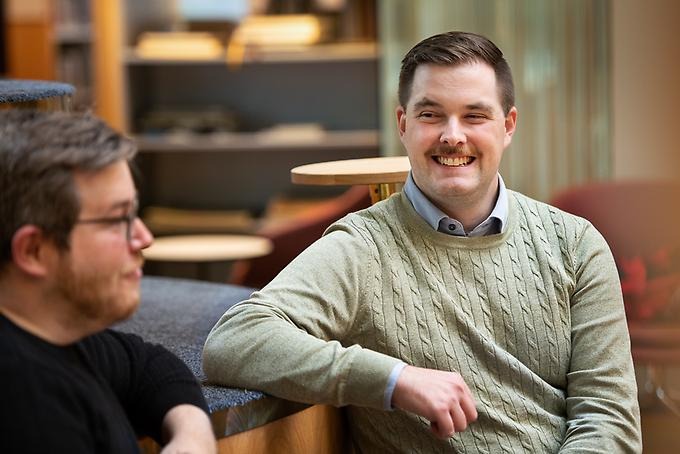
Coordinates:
39 152
456 48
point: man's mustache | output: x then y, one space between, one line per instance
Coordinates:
444 149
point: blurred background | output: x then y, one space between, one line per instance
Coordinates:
243 90
224 97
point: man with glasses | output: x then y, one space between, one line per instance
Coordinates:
70 266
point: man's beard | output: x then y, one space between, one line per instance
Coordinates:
91 297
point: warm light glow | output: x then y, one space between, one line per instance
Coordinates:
292 29
175 45
273 31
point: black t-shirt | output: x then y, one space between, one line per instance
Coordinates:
95 396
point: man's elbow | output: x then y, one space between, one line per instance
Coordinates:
213 355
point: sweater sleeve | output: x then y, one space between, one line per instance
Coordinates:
291 338
147 378
602 409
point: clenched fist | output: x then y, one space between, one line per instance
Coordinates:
441 397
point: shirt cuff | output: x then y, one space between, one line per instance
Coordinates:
391 384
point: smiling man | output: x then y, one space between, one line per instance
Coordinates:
456 316
70 266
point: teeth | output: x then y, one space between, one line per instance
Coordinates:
457 161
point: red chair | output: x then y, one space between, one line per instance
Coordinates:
636 217
291 238
641 222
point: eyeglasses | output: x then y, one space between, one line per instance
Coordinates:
128 219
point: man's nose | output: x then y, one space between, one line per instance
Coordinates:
453 134
141 237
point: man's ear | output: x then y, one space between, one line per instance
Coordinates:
401 120
510 125
31 250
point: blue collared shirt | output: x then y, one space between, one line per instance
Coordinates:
440 221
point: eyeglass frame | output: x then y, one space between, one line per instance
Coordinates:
128 219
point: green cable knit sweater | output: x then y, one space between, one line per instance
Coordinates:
531 318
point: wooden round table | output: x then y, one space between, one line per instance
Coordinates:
203 249
382 175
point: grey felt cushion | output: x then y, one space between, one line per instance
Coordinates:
12 91
179 314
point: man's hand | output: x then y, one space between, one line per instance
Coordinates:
187 430
442 397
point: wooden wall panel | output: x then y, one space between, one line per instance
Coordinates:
30 54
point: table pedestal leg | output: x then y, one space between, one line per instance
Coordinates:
382 191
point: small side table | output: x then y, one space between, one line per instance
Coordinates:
384 176
206 249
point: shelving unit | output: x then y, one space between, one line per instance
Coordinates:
254 142
366 51
281 107
73 39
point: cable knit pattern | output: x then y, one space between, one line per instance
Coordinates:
531 318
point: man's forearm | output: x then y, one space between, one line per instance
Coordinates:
253 348
187 429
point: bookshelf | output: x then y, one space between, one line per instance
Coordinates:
218 136
72 37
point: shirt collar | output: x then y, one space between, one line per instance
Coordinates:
438 220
